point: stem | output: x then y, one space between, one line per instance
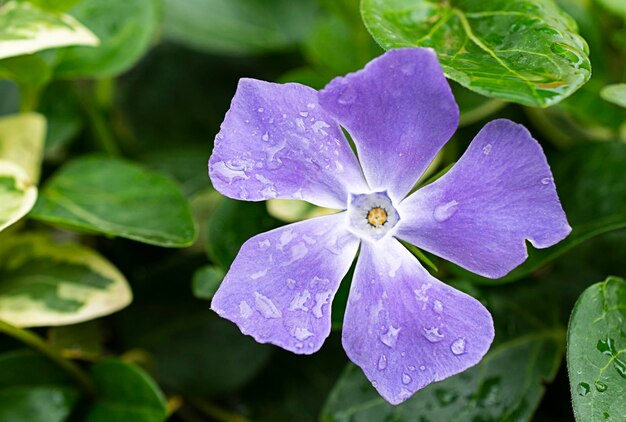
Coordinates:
100 128
216 412
38 344
29 99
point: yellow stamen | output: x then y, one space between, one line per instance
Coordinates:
377 217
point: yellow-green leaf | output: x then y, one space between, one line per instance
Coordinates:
17 193
43 283
21 142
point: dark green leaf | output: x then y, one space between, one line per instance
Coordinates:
125 393
206 280
117 198
526 51
506 385
596 358
238 26
34 389
232 223
125 29
591 184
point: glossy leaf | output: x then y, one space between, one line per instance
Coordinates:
596 360
615 94
26 29
34 389
592 175
125 29
238 27
44 283
206 281
117 198
125 393
506 385
524 51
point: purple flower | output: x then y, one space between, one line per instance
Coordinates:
402 326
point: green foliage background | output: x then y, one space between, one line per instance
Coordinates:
112 240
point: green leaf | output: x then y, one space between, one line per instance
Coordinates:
596 352
616 6
79 341
231 224
592 175
21 141
295 210
526 51
34 389
43 283
507 385
176 334
26 29
125 29
17 193
206 281
126 393
238 27
615 93
117 198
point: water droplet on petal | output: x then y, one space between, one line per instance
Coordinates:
390 338
265 137
382 362
422 368
244 309
304 113
321 299
546 180
445 211
458 346
260 109
437 306
433 335
302 333
487 149
266 307
406 379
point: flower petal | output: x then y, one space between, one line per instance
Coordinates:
479 214
280 287
277 142
400 111
405 328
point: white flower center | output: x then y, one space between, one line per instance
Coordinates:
372 215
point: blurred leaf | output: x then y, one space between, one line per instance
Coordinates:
125 29
339 48
43 283
117 198
17 193
206 281
125 393
59 103
595 352
525 51
54 5
616 6
232 223
78 341
9 98
591 185
474 107
506 385
238 27
615 93
294 210
34 389
30 71
176 334
26 29
21 142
